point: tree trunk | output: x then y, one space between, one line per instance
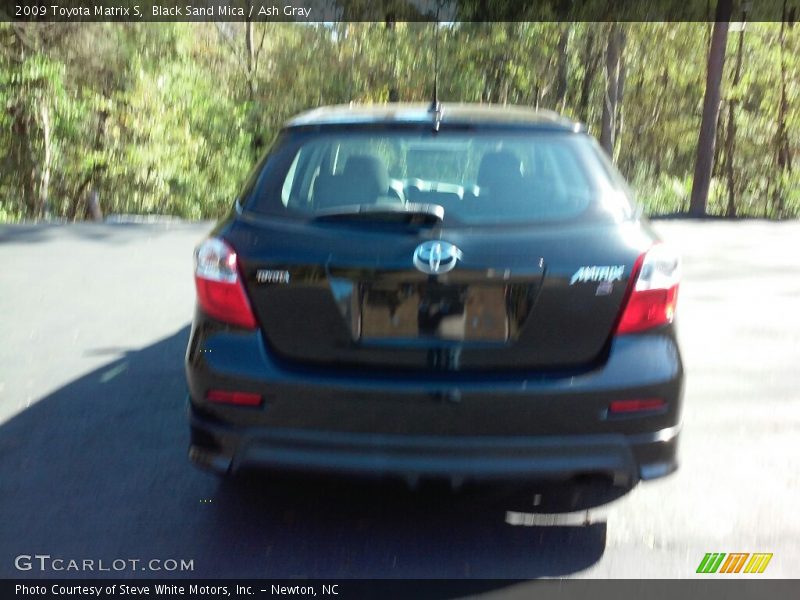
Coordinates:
44 180
608 125
394 95
251 60
563 64
783 156
591 59
250 74
94 212
620 90
730 141
730 147
708 126
717 166
24 160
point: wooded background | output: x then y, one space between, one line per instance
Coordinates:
168 118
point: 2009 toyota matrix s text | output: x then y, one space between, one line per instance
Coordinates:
456 291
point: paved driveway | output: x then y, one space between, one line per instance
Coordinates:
94 321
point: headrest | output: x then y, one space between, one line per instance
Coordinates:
499 168
369 172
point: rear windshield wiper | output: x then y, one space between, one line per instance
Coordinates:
407 214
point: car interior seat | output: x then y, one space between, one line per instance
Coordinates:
364 180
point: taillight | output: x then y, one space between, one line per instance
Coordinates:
238 398
219 286
654 293
634 406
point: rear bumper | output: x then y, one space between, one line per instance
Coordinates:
624 458
457 426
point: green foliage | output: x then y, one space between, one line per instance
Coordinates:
169 117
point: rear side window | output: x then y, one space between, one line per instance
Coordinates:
481 178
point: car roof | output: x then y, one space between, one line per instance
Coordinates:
489 115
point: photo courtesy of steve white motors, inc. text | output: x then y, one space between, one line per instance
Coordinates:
171 589
153 10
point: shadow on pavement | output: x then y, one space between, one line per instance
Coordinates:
98 470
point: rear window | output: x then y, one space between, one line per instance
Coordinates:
478 178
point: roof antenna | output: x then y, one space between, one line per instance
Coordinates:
436 106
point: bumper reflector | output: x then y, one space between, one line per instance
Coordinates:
238 398
633 406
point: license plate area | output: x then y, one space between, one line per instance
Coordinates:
432 310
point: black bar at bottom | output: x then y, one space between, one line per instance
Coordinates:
708 587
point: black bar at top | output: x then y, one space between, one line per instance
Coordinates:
396 10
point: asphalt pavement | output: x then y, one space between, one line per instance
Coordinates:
94 322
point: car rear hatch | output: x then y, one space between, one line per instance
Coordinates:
355 295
